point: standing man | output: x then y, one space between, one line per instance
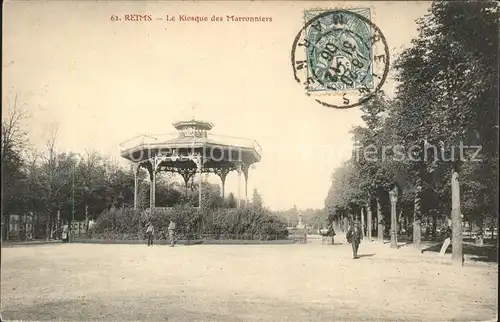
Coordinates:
354 236
65 232
171 233
150 230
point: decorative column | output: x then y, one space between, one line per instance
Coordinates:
417 216
154 188
198 160
199 187
245 173
456 220
186 182
222 173
135 168
380 227
155 164
239 169
393 196
152 184
58 223
187 174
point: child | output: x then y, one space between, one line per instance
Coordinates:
150 231
65 233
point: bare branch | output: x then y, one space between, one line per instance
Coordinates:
13 137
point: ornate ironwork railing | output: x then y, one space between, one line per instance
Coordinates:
146 140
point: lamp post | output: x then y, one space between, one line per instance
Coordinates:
393 196
73 203
73 209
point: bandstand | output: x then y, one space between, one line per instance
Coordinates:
190 151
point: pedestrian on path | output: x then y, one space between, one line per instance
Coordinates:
331 233
150 230
354 237
65 233
171 233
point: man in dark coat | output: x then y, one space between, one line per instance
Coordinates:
354 236
331 233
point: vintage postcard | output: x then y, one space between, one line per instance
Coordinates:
249 161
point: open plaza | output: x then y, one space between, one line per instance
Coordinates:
294 282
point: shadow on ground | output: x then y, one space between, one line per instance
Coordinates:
182 307
366 255
486 253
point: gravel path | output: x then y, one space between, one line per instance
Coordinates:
310 282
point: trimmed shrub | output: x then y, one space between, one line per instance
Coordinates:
191 223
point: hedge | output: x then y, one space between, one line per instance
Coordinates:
191 223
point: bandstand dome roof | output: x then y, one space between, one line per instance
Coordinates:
192 136
195 123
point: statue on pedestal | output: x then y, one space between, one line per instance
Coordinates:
300 225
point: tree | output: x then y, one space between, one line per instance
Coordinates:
257 200
13 177
446 98
448 90
90 175
52 181
231 200
375 177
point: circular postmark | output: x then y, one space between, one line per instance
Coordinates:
341 57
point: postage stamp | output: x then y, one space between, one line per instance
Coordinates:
340 56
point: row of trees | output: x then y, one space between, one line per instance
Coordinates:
440 129
60 186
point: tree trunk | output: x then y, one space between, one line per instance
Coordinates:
417 225
434 224
58 224
380 227
479 238
87 218
456 220
369 221
363 222
346 224
47 226
7 226
25 226
394 226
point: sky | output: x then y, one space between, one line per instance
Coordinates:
102 82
